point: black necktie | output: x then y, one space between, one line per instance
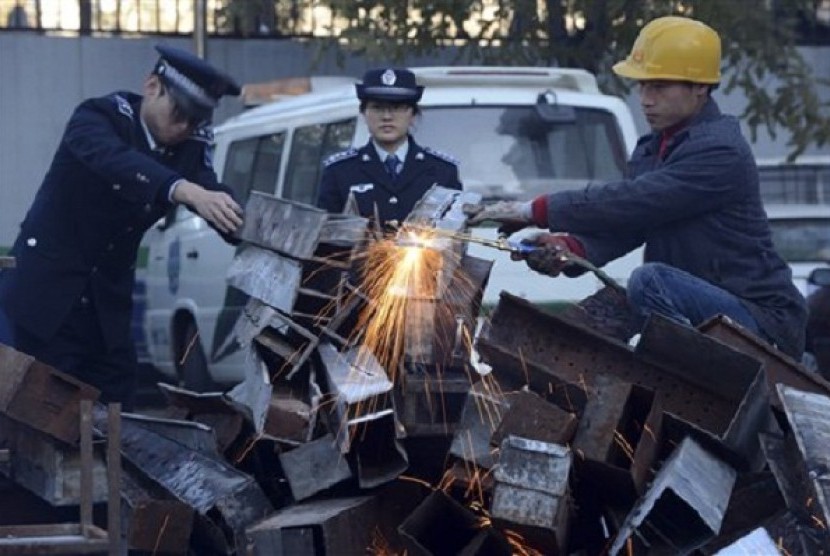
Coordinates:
391 164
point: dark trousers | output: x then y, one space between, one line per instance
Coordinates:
78 349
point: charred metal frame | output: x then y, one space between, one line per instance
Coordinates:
682 509
718 390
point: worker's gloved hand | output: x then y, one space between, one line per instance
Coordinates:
512 215
549 255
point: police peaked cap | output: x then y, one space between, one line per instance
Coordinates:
195 85
391 85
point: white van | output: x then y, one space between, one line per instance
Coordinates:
517 132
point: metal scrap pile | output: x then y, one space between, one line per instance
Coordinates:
573 442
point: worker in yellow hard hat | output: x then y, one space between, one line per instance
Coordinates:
691 197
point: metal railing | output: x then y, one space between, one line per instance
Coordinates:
260 18
235 18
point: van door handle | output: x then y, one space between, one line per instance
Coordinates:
193 254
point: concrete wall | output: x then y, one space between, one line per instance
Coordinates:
44 78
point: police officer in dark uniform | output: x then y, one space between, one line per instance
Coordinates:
124 160
388 175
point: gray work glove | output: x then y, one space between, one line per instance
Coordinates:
512 215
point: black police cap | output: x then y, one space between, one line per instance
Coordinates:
195 85
389 84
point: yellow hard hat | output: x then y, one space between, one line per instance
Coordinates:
674 48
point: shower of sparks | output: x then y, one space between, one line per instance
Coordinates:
409 281
399 282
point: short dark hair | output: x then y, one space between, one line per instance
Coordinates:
414 105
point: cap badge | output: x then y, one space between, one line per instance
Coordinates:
388 77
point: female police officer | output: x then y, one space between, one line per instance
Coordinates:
124 160
388 175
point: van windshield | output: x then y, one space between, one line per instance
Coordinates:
515 152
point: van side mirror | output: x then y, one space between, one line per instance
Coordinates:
550 111
819 277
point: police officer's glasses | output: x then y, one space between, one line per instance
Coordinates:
391 107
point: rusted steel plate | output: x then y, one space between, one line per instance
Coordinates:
288 418
701 380
755 499
267 276
193 436
47 467
617 437
809 417
313 467
483 410
209 485
439 331
358 388
431 404
756 542
41 396
778 367
442 207
683 508
531 493
530 416
440 525
514 371
324 527
343 229
281 225
154 521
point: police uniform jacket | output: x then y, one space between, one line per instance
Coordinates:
361 172
699 209
104 189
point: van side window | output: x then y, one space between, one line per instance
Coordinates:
309 147
253 165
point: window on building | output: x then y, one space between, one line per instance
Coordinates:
795 183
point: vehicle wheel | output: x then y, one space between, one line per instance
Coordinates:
192 362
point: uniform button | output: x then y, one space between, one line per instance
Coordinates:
84 300
148 207
110 247
116 187
129 229
393 200
94 269
31 242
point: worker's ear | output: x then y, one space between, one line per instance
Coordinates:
152 86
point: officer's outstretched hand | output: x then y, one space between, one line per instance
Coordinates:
511 215
217 207
548 254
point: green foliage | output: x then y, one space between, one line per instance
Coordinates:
759 53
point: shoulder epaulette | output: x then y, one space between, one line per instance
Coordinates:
203 133
443 156
124 106
342 155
